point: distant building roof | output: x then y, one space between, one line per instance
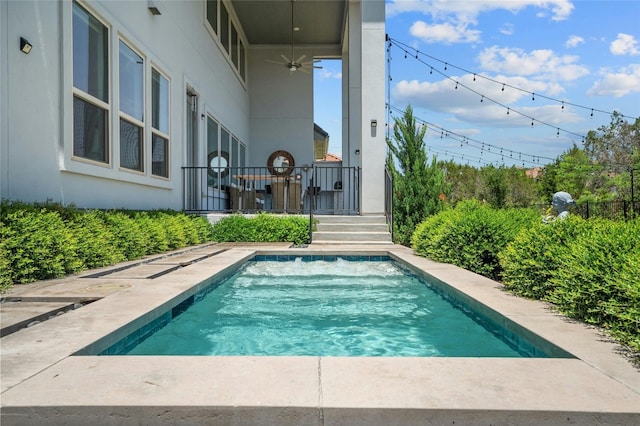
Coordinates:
533 172
320 130
331 157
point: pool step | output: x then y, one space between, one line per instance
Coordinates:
332 229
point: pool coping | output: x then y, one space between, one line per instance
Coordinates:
41 379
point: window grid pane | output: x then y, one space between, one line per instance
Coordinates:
242 60
90 54
131 82
159 156
90 133
224 27
160 102
212 14
130 146
234 45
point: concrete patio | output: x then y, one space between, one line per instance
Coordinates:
43 383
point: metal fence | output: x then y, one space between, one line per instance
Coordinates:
615 210
299 190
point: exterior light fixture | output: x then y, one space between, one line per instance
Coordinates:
153 8
25 46
374 123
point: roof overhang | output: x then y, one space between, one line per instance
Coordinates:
321 23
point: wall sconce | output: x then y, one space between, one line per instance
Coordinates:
153 8
374 123
25 46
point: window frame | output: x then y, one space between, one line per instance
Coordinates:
158 132
131 120
237 57
105 106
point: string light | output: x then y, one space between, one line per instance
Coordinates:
592 110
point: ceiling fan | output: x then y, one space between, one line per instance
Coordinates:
293 64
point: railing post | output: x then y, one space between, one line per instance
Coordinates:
312 197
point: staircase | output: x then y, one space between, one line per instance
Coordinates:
332 229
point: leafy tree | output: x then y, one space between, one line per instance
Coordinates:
419 188
616 146
570 173
463 180
495 186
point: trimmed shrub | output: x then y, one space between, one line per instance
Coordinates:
37 245
94 241
530 260
262 228
598 280
471 236
43 241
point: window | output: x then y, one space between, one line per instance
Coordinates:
224 27
242 60
234 45
226 31
91 86
159 124
131 108
212 14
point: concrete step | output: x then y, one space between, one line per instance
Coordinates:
351 236
352 227
335 219
333 229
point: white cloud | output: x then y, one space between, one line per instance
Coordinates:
507 29
625 44
442 96
542 63
467 11
325 74
574 41
617 84
443 33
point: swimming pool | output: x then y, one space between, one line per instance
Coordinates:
325 306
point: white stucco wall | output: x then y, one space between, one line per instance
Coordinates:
37 100
281 113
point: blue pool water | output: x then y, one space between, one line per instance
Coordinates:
322 308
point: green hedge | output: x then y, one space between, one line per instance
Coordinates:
590 269
262 228
43 241
471 236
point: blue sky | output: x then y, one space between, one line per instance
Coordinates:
541 52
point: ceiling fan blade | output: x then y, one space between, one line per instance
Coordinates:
275 62
286 60
299 60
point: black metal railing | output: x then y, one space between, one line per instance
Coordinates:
305 190
388 199
615 210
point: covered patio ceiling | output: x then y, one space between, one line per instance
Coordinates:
268 22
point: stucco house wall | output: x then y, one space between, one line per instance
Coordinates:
268 110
